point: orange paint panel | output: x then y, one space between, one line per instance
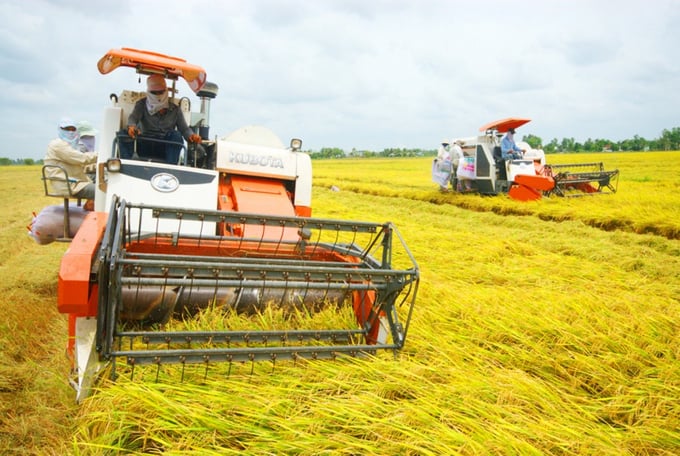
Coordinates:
363 302
303 211
523 193
71 343
263 196
74 293
224 203
544 183
586 187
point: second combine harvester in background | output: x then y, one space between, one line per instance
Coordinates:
228 228
528 178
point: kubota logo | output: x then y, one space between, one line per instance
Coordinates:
164 182
254 159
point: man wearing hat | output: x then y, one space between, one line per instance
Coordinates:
457 156
156 118
87 136
510 150
63 152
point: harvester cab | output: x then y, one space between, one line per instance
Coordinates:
177 257
530 177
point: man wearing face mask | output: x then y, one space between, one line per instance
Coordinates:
155 117
87 134
63 151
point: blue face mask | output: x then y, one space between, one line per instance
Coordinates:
70 137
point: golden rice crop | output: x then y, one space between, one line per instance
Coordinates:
539 329
647 201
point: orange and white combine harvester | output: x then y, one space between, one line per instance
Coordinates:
228 228
529 178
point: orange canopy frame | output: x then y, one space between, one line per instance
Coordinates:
504 125
147 62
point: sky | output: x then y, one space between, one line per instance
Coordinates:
355 74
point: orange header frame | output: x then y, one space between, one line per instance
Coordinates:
147 62
504 125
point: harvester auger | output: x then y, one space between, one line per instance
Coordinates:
528 178
217 258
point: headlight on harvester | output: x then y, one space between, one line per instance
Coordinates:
113 165
295 144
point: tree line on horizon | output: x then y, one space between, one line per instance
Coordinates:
669 140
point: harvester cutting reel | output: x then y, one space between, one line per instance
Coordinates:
582 179
323 288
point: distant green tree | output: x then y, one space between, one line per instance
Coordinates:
534 141
328 152
670 139
588 145
600 145
552 146
4 161
567 145
638 143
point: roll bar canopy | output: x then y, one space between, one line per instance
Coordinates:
147 62
503 125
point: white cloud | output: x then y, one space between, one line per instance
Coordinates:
351 73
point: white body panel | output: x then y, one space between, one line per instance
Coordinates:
517 167
531 153
269 162
196 189
255 160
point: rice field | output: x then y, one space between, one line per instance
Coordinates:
550 327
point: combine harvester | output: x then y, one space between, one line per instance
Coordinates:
226 231
530 178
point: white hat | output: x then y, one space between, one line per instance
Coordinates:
67 122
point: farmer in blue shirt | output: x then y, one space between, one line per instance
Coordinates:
510 150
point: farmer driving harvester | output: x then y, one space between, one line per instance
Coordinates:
509 149
156 125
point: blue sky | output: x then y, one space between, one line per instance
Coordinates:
356 74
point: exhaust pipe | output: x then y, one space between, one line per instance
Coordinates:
207 93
